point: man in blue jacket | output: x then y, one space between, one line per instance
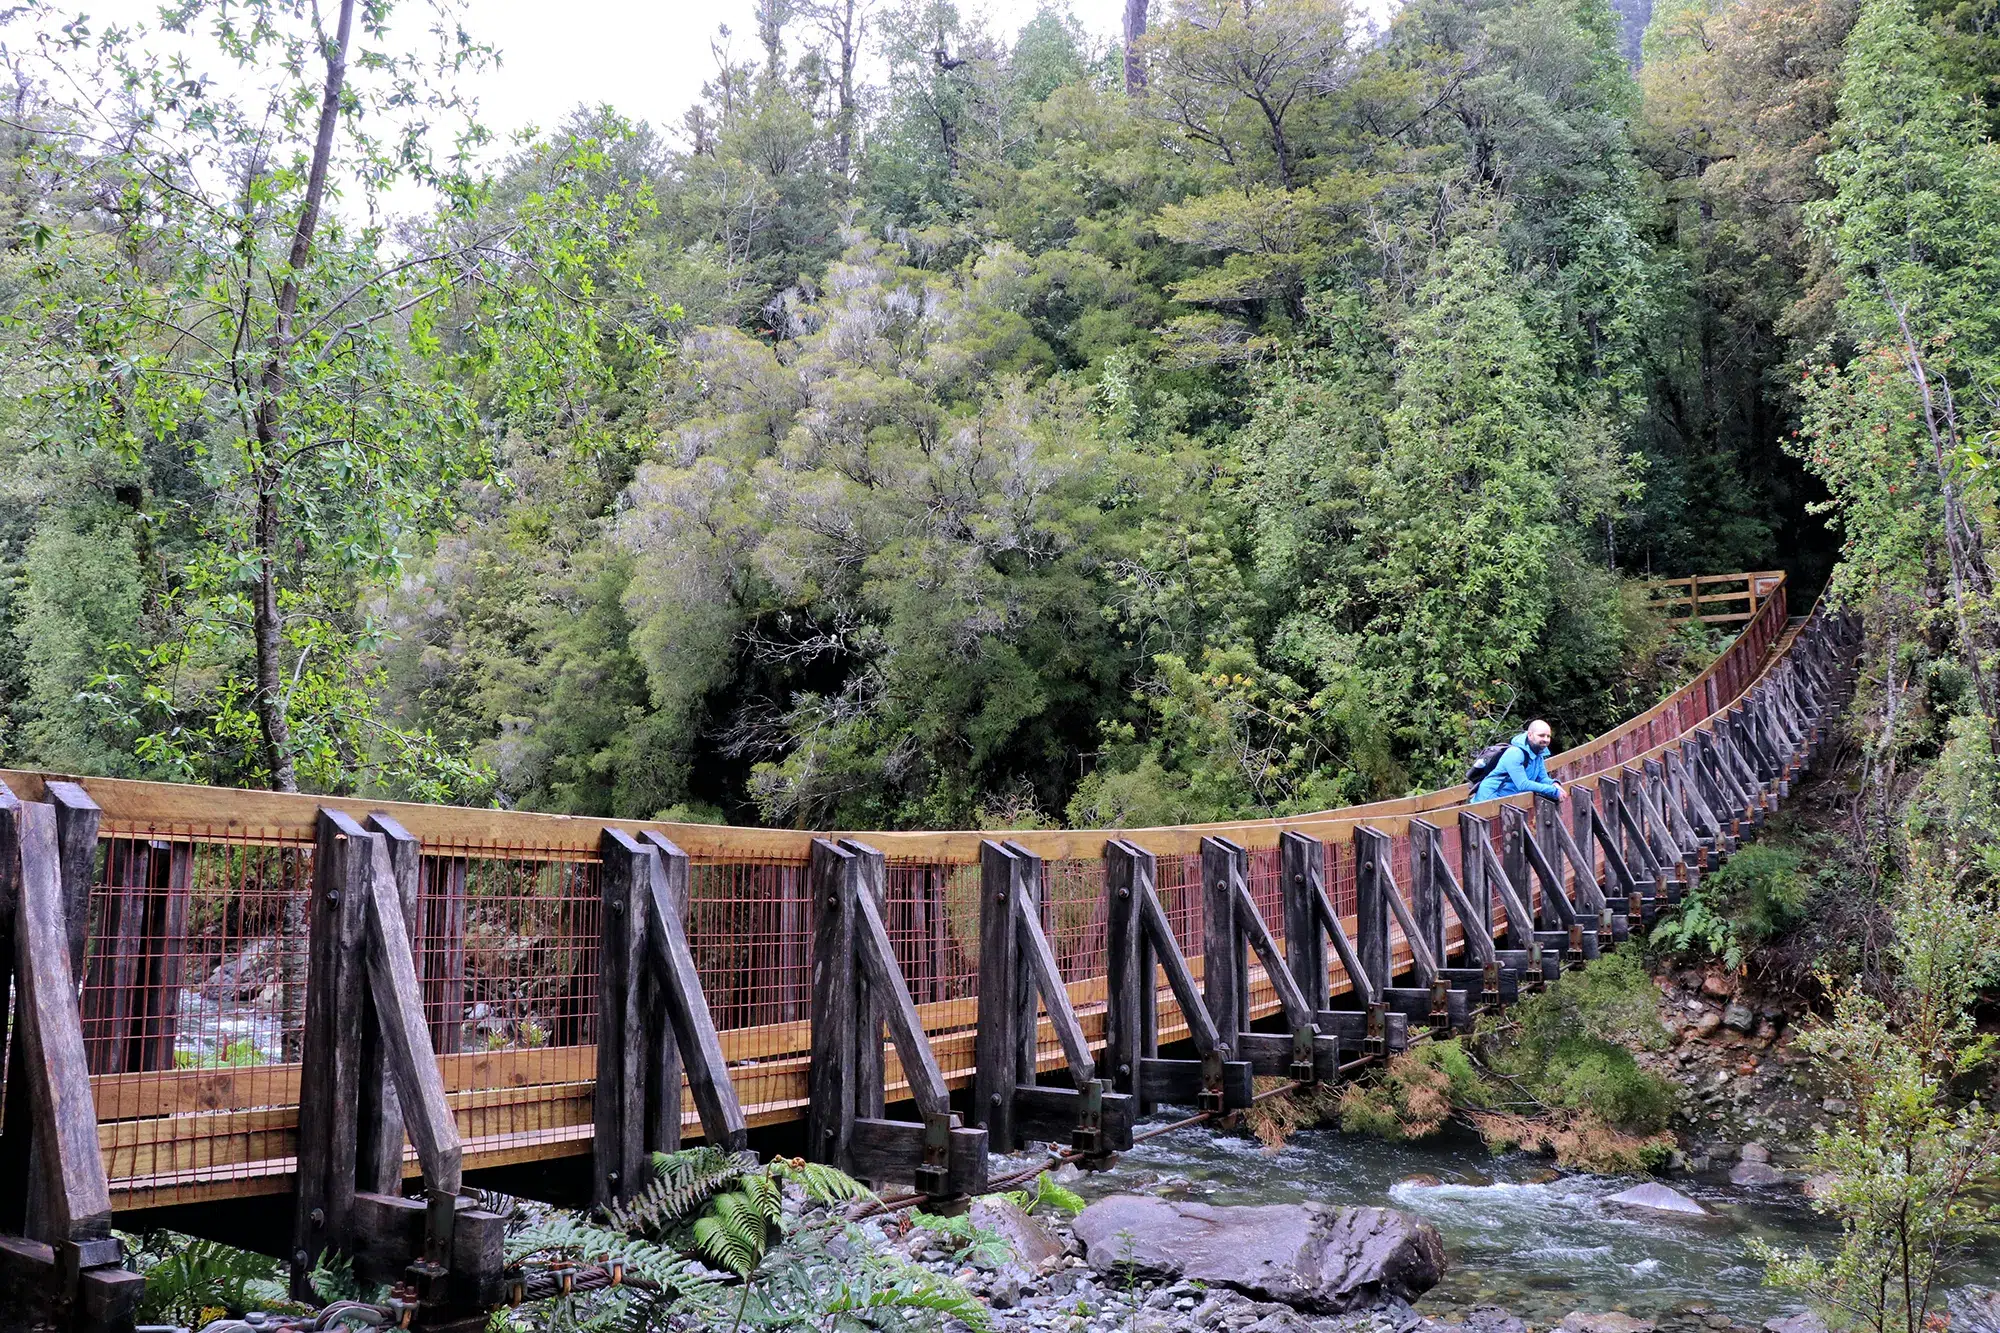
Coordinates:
1522 767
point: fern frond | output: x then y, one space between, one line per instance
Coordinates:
1065 1201
185 1276
822 1184
682 1182
731 1234
765 1197
911 1289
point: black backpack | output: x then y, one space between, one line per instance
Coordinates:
1486 761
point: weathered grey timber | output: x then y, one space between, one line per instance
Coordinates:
1019 977
941 1157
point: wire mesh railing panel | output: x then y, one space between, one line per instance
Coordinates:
1267 890
193 1003
750 927
933 923
1178 883
1073 910
520 972
1340 889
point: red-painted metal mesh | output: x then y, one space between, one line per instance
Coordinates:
192 1003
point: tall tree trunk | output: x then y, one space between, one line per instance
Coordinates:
1135 28
267 627
1964 543
850 51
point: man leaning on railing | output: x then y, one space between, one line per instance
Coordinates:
1522 766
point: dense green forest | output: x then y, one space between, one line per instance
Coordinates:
939 426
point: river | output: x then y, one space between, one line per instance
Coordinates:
1518 1233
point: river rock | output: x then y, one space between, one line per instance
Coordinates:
1708 1024
1756 1152
1490 1319
1716 986
1659 1199
1805 1321
1748 1172
1611 1321
1974 1309
1739 1017
1030 1241
1315 1257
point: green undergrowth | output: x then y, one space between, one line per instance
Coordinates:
1758 895
1554 1074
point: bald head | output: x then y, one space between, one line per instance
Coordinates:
1540 734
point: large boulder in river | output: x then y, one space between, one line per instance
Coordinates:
1755 1173
1030 1241
1611 1321
1316 1257
1656 1198
1974 1309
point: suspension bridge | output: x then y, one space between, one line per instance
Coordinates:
302 1024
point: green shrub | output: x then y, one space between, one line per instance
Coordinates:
1570 1048
1766 888
1757 896
1416 1095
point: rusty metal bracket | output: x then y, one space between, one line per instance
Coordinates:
1375 1040
933 1174
1088 1136
1303 1068
1211 1083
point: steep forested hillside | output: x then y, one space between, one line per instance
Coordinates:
938 426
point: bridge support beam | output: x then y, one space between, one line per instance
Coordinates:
1018 977
857 987
368 1081
1369 1027
1139 939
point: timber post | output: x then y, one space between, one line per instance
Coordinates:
369 1079
846 1126
59 1262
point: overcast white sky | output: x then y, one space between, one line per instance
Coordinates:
648 60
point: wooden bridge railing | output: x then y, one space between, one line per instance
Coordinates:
198 976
